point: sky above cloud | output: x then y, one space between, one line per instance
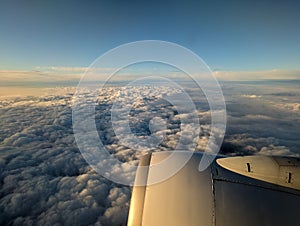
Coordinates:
229 35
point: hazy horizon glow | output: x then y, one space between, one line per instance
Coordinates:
59 76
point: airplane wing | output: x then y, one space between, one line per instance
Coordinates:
233 191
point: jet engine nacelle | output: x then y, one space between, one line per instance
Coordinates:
232 191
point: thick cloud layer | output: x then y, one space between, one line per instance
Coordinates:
45 180
262 116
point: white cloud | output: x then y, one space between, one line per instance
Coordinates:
252 96
258 117
276 150
293 107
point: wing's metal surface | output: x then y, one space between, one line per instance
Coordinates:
284 171
222 195
138 195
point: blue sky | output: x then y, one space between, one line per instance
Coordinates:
228 35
